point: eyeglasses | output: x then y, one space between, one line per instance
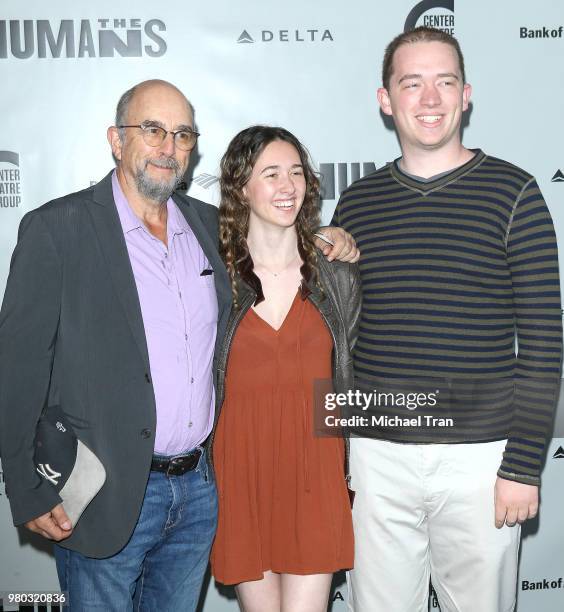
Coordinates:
154 136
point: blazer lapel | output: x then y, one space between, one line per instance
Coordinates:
112 241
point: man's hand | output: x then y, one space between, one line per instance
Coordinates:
515 502
343 247
54 525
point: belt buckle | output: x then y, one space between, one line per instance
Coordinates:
181 465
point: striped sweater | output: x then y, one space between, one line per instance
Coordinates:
453 271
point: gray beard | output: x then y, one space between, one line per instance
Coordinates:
158 191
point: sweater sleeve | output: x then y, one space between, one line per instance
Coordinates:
533 262
335 221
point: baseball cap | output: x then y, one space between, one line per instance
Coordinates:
66 462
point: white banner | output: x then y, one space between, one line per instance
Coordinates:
312 67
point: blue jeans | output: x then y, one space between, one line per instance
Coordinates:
163 564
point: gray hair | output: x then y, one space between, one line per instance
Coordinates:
125 100
122 109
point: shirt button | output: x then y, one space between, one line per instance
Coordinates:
192 380
190 424
145 433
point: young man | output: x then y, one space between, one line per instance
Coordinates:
459 259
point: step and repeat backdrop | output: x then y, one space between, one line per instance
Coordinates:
312 67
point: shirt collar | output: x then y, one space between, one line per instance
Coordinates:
176 222
128 219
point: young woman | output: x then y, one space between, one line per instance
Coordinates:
284 514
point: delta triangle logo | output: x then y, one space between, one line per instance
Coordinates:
559 454
247 38
558 177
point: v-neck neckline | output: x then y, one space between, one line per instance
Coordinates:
277 331
441 180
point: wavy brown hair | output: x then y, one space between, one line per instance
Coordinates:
236 167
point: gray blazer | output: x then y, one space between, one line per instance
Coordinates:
71 334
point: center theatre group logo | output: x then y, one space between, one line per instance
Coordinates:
558 177
71 38
10 177
438 14
266 36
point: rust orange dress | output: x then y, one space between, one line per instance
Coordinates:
283 502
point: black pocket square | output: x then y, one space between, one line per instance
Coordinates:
206 272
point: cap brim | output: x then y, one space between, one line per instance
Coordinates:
86 479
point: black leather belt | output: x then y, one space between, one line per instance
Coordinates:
176 466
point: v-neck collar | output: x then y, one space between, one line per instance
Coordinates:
441 181
288 314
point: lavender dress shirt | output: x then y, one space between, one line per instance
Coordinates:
179 309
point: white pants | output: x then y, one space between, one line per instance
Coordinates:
427 511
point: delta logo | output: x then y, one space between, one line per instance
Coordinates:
286 36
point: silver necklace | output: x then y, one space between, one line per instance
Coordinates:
279 272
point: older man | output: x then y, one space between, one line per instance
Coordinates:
115 301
